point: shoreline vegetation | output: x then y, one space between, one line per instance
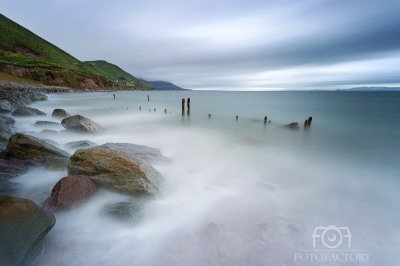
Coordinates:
120 163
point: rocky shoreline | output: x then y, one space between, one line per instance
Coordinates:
120 167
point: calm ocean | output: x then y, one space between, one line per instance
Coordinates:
267 187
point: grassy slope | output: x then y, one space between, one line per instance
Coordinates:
116 74
49 55
163 85
21 47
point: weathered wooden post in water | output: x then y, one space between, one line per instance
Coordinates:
148 97
140 108
154 109
183 106
165 111
237 117
209 115
308 121
114 96
265 119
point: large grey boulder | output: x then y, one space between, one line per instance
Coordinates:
60 113
117 170
24 146
23 227
5 107
27 111
82 124
146 153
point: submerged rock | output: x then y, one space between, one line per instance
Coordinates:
117 170
48 131
5 107
70 192
144 152
47 124
56 163
8 188
27 111
80 144
11 168
293 125
61 113
127 212
6 120
24 146
79 123
23 227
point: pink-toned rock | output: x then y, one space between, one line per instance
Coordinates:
70 192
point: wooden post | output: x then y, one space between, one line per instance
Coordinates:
114 96
265 119
148 97
154 109
209 115
183 104
237 117
140 108
149 110
188 104
165 111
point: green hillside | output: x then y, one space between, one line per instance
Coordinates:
24 48
115 74
163 85
44 62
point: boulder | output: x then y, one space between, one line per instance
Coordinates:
70 192
27 111
126 212
23 227
144 152
117 170
293 125
56 163
11 168
79 123
79 144
24 146
61 113
5 107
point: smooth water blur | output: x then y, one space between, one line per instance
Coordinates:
266 187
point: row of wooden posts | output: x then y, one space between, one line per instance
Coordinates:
307 123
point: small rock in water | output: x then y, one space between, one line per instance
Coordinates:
127 212
212 228
293 125
81 124
80 144
70 192
47 124
48 131
60 113
27 111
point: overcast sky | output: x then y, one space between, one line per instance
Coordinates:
234 45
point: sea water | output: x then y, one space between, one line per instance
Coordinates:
270 191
